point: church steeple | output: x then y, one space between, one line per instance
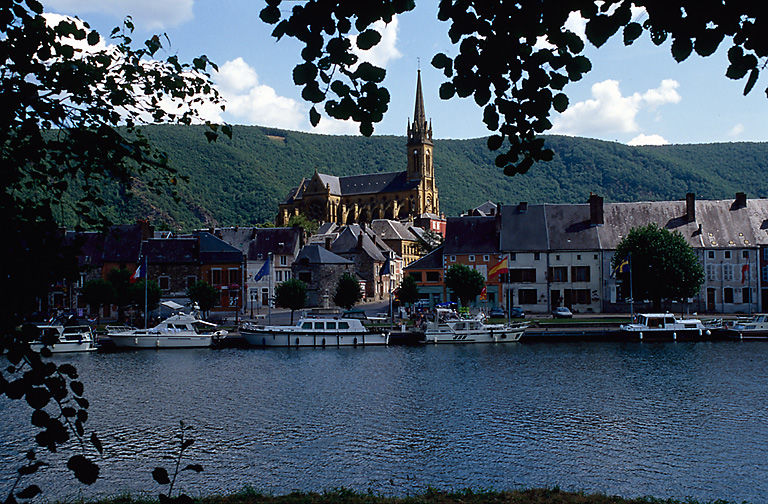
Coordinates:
419 132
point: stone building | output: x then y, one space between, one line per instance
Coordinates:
363 198
320 269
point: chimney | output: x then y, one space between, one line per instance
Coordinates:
596 217
360 241
522 207
741 200
690 207
328 243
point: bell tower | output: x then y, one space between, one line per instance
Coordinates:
419 148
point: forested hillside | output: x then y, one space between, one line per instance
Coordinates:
242 180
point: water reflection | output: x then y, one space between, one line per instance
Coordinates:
631 419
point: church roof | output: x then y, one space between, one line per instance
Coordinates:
376 183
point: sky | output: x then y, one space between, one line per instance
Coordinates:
633 95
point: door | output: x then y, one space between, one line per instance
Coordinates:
554 299
711 300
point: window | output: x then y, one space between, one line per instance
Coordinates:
578 257
234 276
711 272
595 257
728 295
746 295
580 273
279 275
536 256
191 280
527 296
343 325
745 254
728 272
283 260
216 277
306 277
330 325
558 274
486 258
582 296
557 257
764 273
164 282
453 258
711 254
417 275
433 276
471 258
727 254
522 275
765 253
513 256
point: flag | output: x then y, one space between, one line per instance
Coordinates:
139 273
501 267
386 269
263 271
744 273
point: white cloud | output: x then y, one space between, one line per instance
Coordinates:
736 131
150 14
609 111
330 126
643 139
386 50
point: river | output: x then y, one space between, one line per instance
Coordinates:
632 419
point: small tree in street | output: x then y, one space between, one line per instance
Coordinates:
98 292
465 282
347 291
204 294
664 266
121 282
291 294
408 292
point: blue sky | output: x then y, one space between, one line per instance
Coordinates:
635 95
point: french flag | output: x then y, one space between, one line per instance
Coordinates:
139 273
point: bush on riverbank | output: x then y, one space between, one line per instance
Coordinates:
342 496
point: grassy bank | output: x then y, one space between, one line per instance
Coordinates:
530 496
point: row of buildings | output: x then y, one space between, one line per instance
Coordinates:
560 254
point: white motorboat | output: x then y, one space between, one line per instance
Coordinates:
313 332
755 327
61 338
449 328
181 330
664 326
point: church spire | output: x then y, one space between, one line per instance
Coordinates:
419 132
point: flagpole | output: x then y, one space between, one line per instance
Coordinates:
146 282
270 294
631 294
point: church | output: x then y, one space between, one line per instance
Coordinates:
363 198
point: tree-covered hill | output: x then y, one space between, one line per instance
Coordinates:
242 180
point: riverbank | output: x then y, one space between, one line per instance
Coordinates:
343 496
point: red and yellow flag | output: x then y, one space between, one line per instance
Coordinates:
501 267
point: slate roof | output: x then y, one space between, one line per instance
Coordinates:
91 246
523 230
216 251
433 260
469 235
569 228
391 230
316 254
256 243
347 241
171 250
371 183
122 244
487 208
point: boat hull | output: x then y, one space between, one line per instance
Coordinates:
297 339
68 346
161 341
506 335
668 335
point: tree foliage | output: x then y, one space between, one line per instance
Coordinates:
98 292
516 80
663 265
347 292
291 294
465 282
153 294
204 294
308 225
408 292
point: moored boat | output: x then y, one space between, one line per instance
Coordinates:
752 328
181 330
665 326
313 332
65 338
449 328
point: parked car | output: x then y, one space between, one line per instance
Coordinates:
516 312
562 312
497 313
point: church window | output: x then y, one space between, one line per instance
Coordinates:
471 258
